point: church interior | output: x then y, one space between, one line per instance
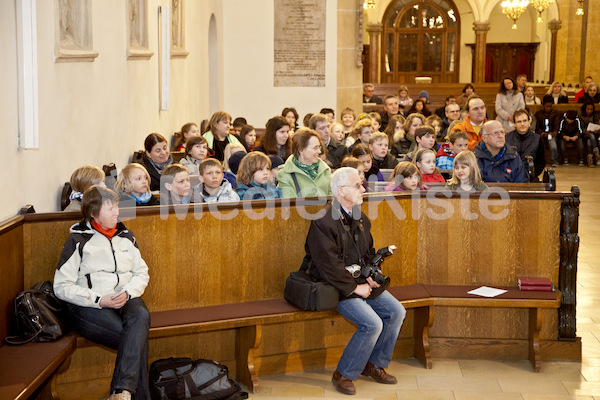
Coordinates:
85 81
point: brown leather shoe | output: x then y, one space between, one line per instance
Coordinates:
378 374
342 385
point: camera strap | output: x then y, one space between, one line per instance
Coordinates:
353 238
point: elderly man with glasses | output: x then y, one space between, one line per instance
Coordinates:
342 238
497 161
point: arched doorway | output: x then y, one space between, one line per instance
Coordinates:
420 38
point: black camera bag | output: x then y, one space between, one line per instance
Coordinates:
306 293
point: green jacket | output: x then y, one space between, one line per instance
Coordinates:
210 138
308 187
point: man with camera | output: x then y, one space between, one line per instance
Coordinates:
336 245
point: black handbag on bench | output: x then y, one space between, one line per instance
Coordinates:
40 316
306 293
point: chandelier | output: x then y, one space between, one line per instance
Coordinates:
514 9
540 6
369 4
580 7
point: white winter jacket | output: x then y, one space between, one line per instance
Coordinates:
91 266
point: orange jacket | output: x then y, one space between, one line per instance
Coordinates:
466 126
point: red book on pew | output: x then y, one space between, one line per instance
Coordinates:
539 284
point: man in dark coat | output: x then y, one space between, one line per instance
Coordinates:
526 142
341 238
497 161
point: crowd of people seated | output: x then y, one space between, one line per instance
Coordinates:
230 163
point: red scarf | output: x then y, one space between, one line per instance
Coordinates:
109 233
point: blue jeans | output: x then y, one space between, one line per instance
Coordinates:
378 323
125 330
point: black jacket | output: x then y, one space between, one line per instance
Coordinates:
337 152
528 144
331 245
154 174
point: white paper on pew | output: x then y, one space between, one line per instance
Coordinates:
485 291
592 127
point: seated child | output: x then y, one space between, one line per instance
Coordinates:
569 130
230 150
196 150
276 163
187 132
376 118
212 186
324 155
133 183
361 133
406 176
355 163
81 180
436 122
175 185
425 138
337 131
425 161
234 163
253 178
457 141
248 137
363 154
379 144
466 175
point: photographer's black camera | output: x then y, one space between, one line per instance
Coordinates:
372 267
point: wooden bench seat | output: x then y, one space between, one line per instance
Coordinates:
248 319
24 369
458 296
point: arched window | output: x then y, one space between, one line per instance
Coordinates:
420 38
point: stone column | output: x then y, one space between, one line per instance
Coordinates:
554 26
481 29
375 29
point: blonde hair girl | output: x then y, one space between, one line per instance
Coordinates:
466 175
134 182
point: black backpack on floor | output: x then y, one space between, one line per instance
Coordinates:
184 378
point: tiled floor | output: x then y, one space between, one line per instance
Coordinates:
487 379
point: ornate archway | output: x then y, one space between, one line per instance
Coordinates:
420 38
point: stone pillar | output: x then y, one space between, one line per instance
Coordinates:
554 26
481 29
375 29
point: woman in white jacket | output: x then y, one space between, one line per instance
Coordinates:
101 275
508 101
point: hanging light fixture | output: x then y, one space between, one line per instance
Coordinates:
580 7
540 6
369 4
513 9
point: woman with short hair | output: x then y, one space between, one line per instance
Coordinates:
101 276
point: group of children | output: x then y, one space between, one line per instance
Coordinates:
248 175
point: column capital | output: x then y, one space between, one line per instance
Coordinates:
481 26
554 25
374 27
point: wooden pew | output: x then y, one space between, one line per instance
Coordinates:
195 262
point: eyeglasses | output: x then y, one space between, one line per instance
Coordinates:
495 134
357 186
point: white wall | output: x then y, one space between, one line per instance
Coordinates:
93 113
248 65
